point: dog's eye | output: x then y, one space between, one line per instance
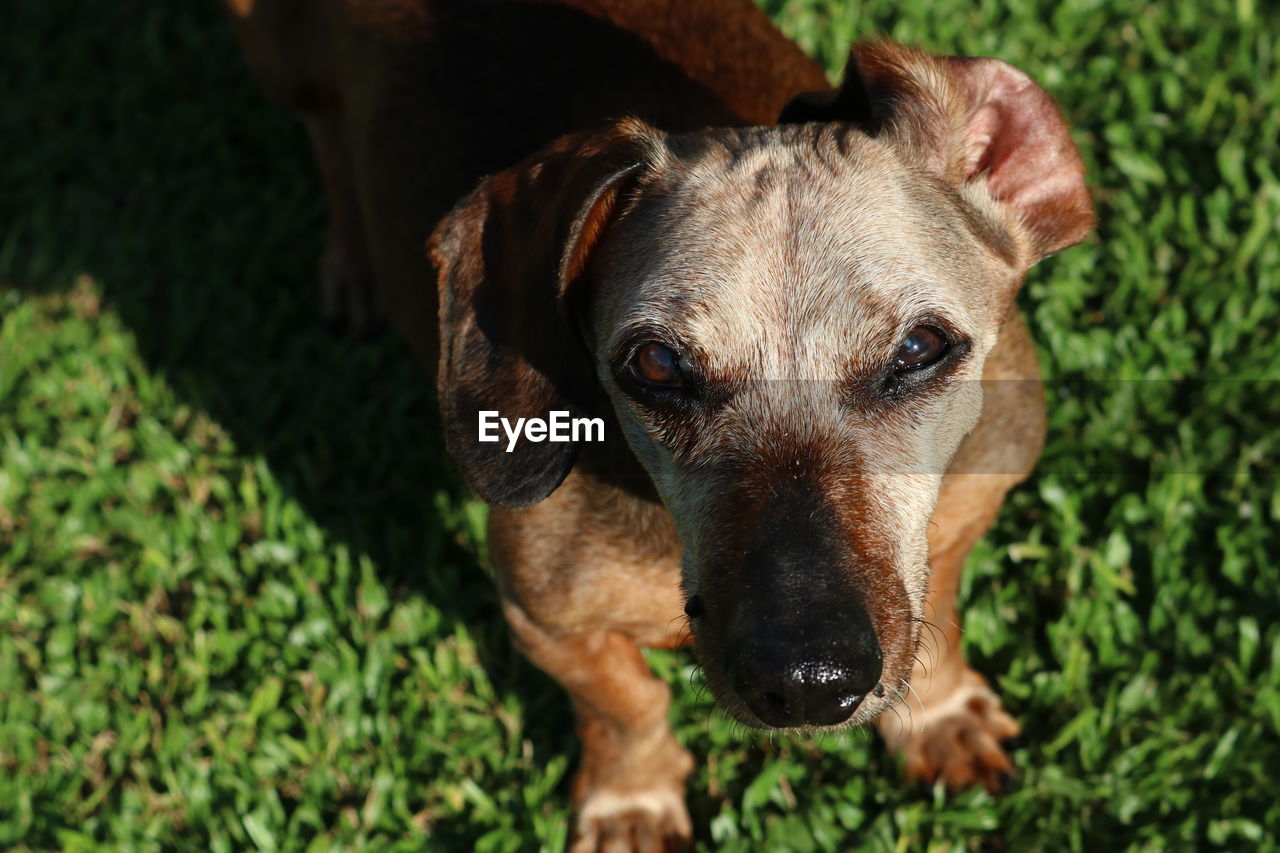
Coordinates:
922 347
655 364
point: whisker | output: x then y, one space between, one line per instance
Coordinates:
928 650
934 630
898 714
923 714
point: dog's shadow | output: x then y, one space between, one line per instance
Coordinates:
158 171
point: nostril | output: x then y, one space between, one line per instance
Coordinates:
693 608
831 710
773 709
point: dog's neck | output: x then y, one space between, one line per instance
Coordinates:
621 492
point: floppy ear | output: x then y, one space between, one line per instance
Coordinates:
967 120
508 256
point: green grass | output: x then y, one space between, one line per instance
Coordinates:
240 600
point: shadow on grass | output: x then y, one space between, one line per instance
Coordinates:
160 173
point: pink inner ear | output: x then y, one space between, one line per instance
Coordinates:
1018 139
978 151
1013 134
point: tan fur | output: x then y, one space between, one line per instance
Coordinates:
738 244
787 264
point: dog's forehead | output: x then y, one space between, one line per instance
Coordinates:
787 245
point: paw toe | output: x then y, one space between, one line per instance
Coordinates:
963 747
638 823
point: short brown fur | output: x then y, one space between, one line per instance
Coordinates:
784 264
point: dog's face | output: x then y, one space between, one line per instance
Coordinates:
789 324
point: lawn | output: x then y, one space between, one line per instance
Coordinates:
242 596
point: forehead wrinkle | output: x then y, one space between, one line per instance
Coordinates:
848 287
767 221
728 257
778 259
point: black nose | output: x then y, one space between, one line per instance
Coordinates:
787 686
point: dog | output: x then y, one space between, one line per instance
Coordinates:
800 336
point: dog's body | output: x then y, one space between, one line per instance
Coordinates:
730 301
408 103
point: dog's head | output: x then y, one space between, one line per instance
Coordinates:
786 323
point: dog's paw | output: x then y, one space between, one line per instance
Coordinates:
959 740
637 822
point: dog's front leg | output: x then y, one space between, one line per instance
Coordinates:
347 295
629 790
952 724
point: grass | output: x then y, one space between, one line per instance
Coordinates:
241 605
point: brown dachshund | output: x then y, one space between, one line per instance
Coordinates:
799 343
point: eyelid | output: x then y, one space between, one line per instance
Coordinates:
630 344
928 321
950 332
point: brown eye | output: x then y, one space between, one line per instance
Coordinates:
655 364
922 347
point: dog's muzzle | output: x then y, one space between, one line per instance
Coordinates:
800 648
810 674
